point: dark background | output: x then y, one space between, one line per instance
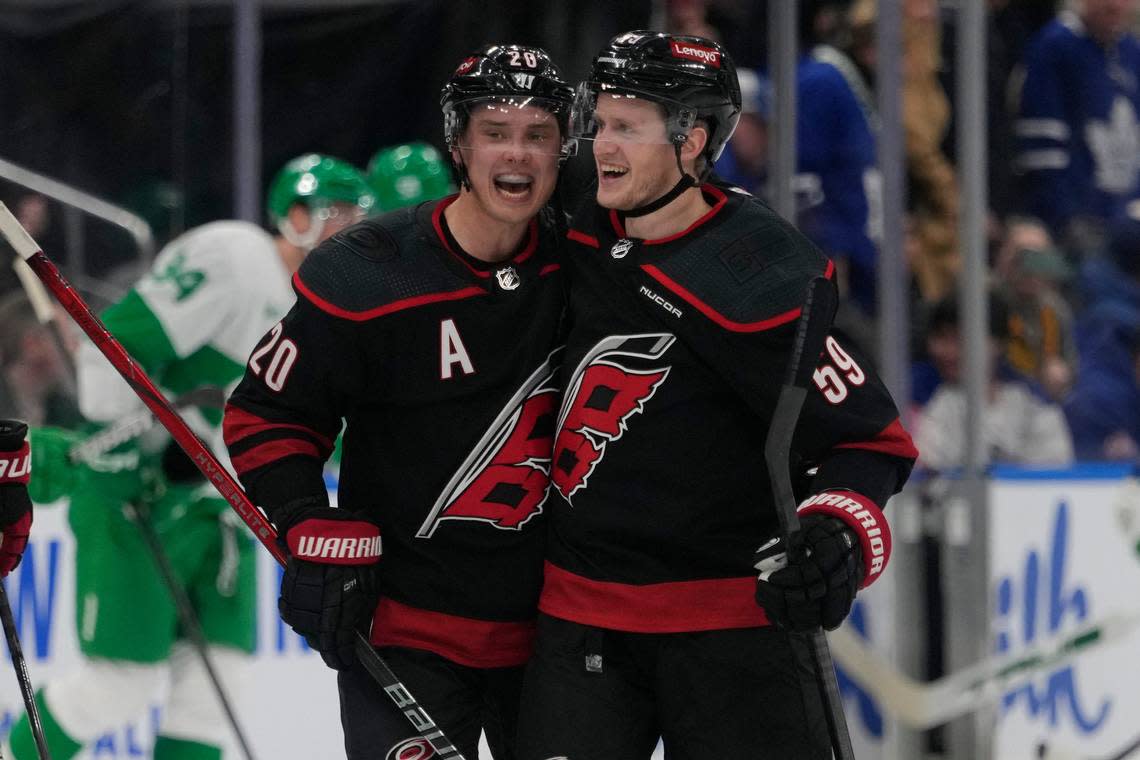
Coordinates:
131 101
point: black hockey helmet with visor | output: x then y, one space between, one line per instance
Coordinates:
502 80
691 78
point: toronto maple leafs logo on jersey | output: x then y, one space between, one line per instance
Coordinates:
600 398
505 478
1115 145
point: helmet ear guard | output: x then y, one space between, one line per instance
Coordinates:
692 78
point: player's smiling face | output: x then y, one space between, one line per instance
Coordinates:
635 160
511 154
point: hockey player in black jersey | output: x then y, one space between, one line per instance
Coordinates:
431 333
684 299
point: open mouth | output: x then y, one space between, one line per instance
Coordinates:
514 186
612 171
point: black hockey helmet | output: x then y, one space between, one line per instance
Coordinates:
691 77
515 74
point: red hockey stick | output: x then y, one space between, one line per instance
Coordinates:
204 460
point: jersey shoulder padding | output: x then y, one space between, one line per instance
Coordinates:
377 266
749 272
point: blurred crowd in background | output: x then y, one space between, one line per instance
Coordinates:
128 101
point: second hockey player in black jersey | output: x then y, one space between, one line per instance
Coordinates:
684 301
431 333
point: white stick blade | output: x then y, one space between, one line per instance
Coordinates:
16 235
35 290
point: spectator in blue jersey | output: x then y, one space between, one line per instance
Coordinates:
744 160
1077 131
837 183
1104 407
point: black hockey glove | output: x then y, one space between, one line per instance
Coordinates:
329 588
15 505
817 589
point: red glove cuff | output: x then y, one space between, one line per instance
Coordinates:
16 466
13 541
867 521
335 542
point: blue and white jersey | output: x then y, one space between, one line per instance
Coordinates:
1077 129
838 190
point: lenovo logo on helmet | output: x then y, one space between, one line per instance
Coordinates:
698 53
467 65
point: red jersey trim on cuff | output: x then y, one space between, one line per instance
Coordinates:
271 451
892 440
467 641
239 424
673 607
867 521
16 466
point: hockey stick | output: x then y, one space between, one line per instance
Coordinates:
20 665
924 705
206 462
187 617
1124 753
811 331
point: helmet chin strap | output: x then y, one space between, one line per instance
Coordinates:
461 171
687 180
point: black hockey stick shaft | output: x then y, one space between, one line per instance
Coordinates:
20 665
204 459
188 619
1127 751
811 331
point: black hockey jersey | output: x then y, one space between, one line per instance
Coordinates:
675 357
443 374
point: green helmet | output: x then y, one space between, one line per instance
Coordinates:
404 175
317 180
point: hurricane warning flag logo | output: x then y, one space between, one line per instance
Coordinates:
601 397
505 478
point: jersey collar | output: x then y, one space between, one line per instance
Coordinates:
477 267
719 201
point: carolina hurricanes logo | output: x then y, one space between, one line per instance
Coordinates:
411 749
504 480
600 398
